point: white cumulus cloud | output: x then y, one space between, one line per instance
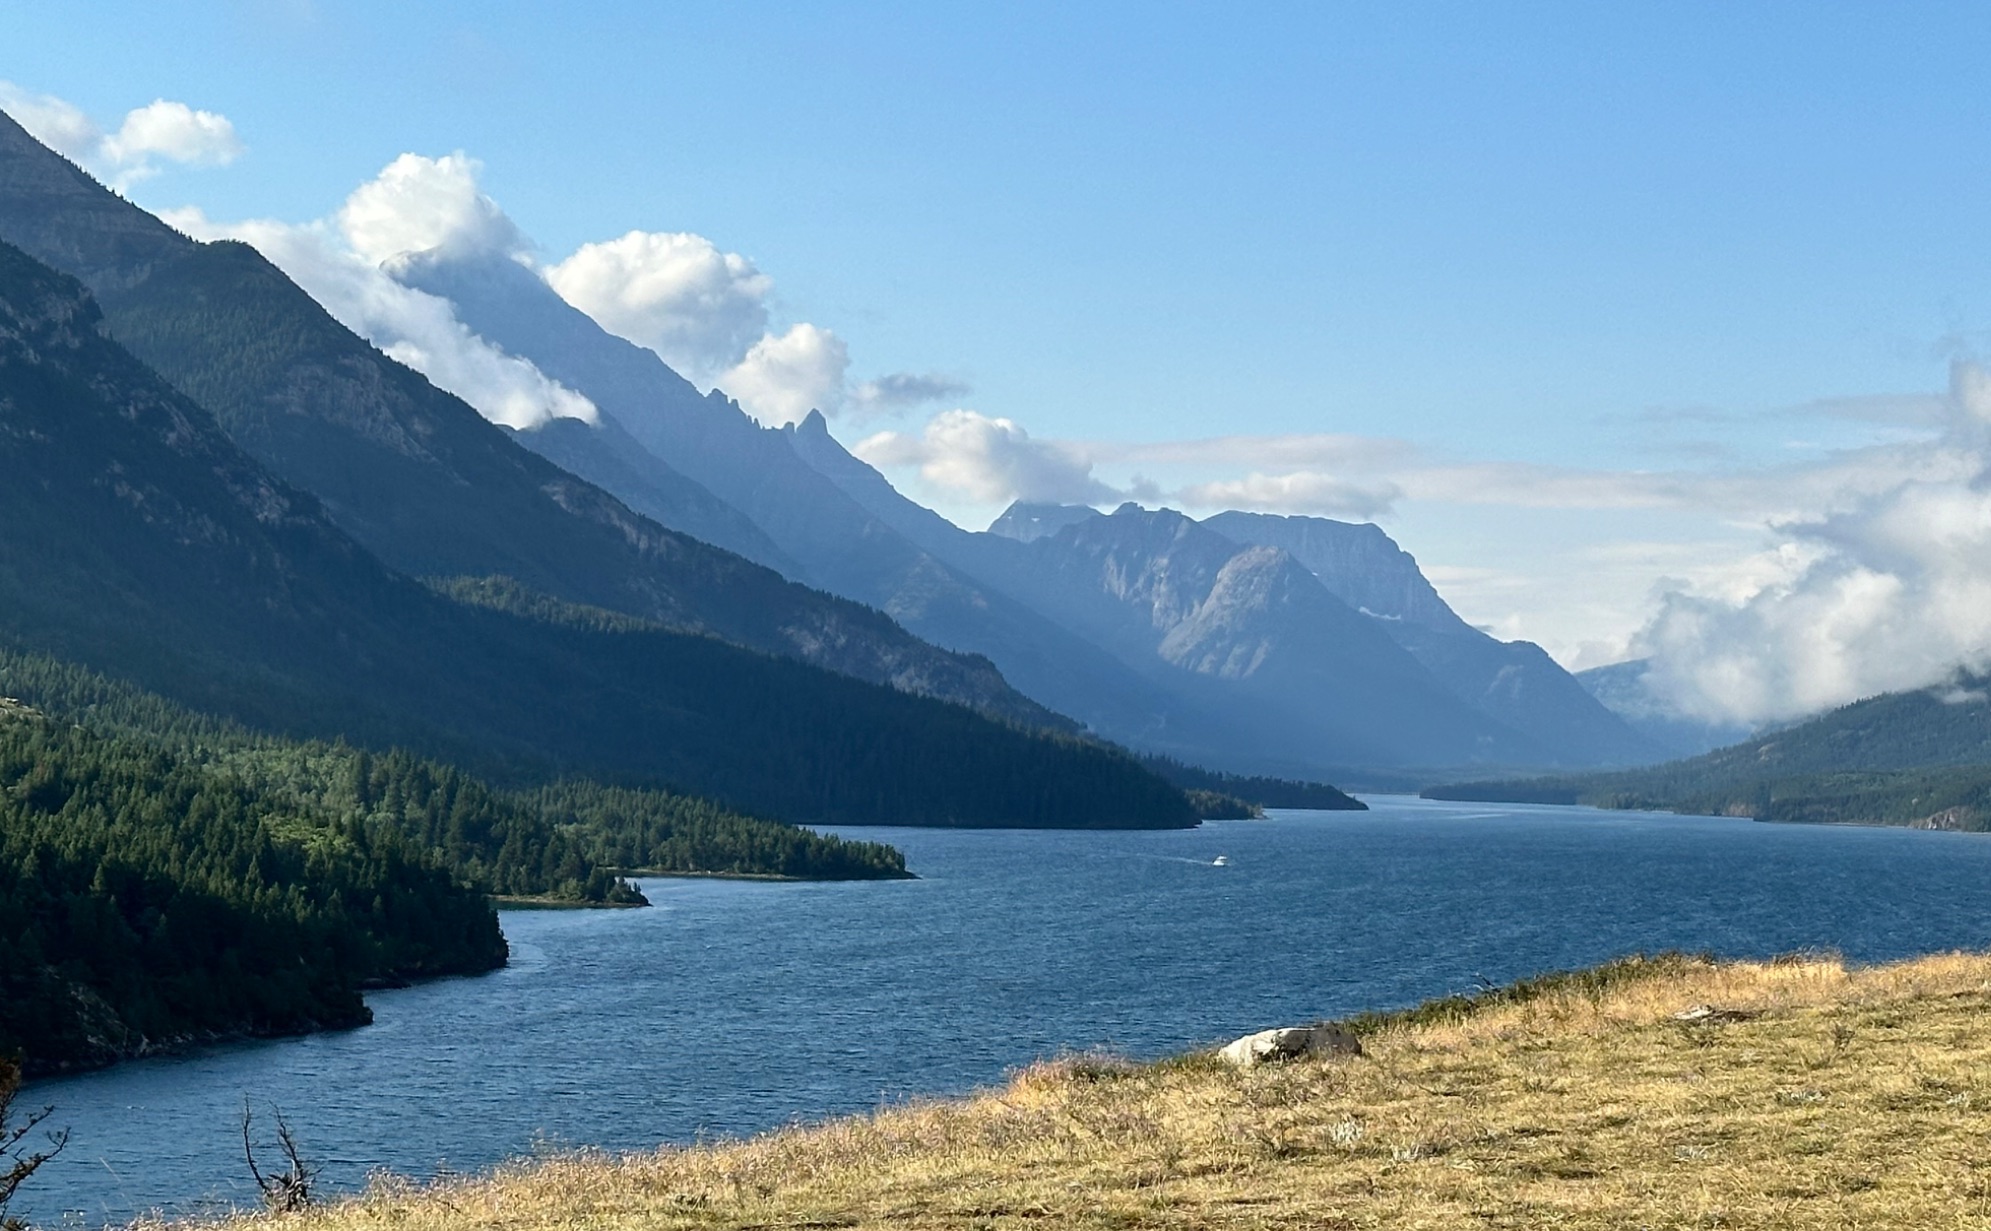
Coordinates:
172 131
1890 590
700 308
160 131
419 204
785 376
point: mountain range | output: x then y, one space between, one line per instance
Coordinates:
559 631
1287 646
1265 644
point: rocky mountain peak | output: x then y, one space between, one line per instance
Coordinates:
1027 522
1356 561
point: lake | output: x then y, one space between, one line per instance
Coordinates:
736 1006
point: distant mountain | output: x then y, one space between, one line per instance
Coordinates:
1027 522
1623 689
1518 686
1513 682
1316 680
826 535
831 520
1855 763
1210 715
414 473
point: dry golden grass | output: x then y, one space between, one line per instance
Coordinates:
1851 1098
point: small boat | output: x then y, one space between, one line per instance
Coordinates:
1221 861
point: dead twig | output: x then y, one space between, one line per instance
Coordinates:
290 1190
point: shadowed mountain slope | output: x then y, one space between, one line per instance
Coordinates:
414 473
135 537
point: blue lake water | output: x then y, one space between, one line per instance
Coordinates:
736 1006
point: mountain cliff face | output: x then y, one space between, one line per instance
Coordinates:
1514 682
1360 564
415 474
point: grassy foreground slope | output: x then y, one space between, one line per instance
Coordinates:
1829 1097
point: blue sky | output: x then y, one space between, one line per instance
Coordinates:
1574 242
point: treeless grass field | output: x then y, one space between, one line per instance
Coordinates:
1820 1096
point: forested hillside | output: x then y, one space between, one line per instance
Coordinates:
173 876
1920 757
1255 789
148 899
139 540
561 840
413 473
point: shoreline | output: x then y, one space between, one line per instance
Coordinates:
1648 1091
772 877
1912 826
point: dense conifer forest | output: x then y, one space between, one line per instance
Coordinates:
171 876
149 899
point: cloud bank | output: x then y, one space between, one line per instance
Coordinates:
1889 591
1300 492
995 461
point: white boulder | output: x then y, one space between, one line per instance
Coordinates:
1290 1043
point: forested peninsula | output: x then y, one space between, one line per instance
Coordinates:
174 878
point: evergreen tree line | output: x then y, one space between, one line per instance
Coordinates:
1916 757
167 876
1217 795
148 899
